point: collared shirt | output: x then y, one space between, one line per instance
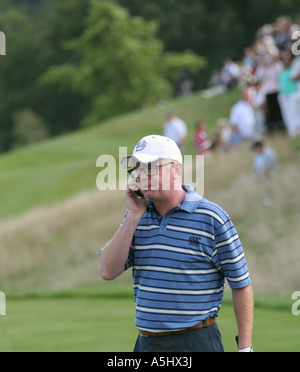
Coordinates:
180 262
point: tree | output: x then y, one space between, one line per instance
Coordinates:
214 29
28 128
18 69
33 36
121 64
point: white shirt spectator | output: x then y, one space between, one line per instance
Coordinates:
242 116
268 76
176 129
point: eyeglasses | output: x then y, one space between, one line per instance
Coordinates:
149 171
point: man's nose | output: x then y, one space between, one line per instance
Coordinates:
144 177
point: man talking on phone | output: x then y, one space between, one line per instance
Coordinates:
181 247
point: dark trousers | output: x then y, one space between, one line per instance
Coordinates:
274 116
206 339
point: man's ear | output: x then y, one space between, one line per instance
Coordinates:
177 170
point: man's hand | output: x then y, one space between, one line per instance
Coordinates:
136 205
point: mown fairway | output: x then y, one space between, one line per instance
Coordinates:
107 325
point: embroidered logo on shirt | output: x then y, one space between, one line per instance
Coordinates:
194 240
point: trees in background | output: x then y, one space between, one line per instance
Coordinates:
120 64
74 62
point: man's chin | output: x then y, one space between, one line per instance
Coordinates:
149 193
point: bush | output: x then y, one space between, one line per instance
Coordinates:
28 128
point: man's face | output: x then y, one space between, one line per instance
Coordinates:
157 179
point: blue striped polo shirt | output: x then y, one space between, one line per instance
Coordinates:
180 262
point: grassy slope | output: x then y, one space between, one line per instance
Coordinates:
54 220
51 171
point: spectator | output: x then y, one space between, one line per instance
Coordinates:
267 73
176 129
259 107
235 139
201 140
225 134
265 160
230 74
186 85
282 33
242 116
265 35
249 60
289 97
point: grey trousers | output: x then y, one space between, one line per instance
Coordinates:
206 339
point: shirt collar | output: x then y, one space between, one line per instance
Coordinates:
191 199
189 203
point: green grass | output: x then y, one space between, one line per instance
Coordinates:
51 171
93 320
102 318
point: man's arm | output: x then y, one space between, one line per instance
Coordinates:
114 255
243 305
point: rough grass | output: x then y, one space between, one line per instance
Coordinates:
54 220
56 247
49 172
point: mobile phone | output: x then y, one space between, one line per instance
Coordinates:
139 194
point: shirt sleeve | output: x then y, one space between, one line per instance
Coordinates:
229 257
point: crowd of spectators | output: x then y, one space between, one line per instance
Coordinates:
272 72
269 79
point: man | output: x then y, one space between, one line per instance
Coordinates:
242 116
180 247
230 73
289 94
175 129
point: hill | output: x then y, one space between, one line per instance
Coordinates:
54 220
50 171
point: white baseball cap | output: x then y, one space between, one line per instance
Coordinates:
151 149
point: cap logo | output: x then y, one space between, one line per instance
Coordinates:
141 145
